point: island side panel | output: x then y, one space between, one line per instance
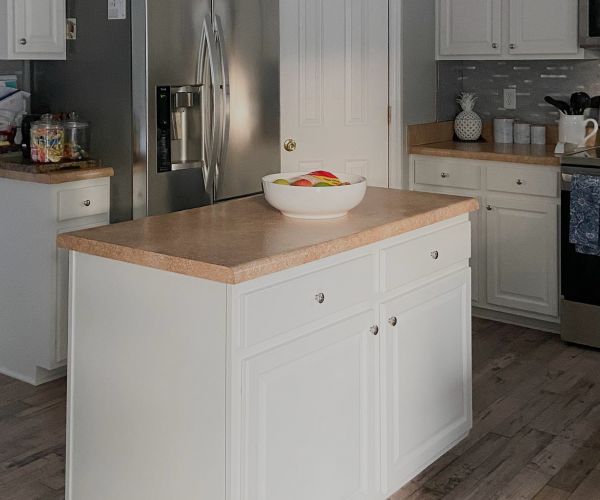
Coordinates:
147 383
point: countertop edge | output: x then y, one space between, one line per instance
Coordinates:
257 268
430 150
59 176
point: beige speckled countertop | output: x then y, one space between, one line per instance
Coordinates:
58 176
240 240
512 153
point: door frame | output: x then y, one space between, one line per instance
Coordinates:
396 135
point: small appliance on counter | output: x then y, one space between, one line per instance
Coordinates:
580 284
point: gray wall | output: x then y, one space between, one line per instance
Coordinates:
532 79
95 81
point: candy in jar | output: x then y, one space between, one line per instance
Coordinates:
47 140
77 138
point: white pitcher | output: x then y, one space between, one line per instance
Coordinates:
572 129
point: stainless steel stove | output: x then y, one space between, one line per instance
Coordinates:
580 274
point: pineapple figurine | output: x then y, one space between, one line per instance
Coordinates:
467 125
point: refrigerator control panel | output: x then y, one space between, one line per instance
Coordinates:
163 127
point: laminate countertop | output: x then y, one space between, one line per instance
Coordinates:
55 177
490 151
243 239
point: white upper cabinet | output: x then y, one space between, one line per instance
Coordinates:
508 29
543 27
34 29
470 27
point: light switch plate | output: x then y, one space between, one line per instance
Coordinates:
510 98
117 9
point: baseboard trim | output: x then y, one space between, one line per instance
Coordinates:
42 376
512 319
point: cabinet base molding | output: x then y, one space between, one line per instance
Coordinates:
42 376
512 319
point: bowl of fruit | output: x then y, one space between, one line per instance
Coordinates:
314 195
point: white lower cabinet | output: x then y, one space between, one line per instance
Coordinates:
316 393
34 274
344 405
522 254
426 364
514 256
320 401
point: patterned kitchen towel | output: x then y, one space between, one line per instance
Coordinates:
584 231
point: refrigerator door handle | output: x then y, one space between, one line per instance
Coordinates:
211 82
225 98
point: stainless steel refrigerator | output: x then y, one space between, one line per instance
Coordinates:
205 98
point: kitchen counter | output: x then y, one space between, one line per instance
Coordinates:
334 356
512 153
244 239
58 176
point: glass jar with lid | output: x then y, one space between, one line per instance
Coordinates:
77 138
47 140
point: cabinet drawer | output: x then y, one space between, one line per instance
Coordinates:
83 202
538 181
421 256
447 173
298 301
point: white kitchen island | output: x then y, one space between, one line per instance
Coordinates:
228 352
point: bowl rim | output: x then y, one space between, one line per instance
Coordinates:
268 179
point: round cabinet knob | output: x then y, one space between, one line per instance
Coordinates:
393 321
87 203
374 330
435 255
489 208
494 45
520 182
320 298
445 175
290 145
23 41
512 46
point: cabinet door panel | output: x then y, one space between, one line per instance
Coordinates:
543 27
309 419
470 27
426 376
522 255
39 27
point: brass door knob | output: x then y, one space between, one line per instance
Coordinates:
290 145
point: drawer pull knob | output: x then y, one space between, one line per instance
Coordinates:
445 175
87 203
23 41
435 255
393 321
494 45
489 208
520 182
512 46
374 330
320 298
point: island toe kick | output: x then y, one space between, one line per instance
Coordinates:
342 378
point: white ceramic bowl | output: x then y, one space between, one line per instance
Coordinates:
314 202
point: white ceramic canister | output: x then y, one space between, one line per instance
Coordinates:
522 133
503 130
572 129
538 134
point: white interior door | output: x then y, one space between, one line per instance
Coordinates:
334 86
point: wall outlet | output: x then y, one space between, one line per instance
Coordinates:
510 98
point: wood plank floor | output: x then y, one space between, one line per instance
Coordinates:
536 431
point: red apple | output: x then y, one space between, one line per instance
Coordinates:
302 183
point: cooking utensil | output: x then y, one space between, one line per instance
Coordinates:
579 102
562 106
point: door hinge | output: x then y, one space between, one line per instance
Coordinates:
389 117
